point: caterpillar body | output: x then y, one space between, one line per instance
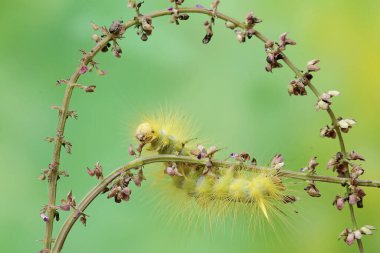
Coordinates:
218 188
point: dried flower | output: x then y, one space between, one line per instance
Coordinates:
61 81
116 50
277 162
272 58
49 139
131 150
137 179
356 196
83 219
115 27
200 152
358 234
119 193
209 33
94 26
312 190
312 66
44 217
68 202
83 69
97 171
252 19
296 87
56 215
179 2
355 156
183 17
311 166
173 170
95 37
328 132
348 235
240 35
356 171
324 100
101 72
350 238
125 194
214 7
73 114
105 48
346 124
67 145
338 164
146 24
323 105
144 37
230 25
284 41
269 44
245 156
89 89
339 202
242 157
367 229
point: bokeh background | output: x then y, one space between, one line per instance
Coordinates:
222 85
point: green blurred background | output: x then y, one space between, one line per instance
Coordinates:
223 86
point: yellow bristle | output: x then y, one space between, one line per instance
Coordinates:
224 192
263 208
237 189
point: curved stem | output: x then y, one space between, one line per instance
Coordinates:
63 115
97 190
334 121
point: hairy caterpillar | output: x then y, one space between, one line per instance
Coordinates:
222 190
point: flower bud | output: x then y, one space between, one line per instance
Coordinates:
358 234
350 239
230 25
44 217
89 89
95 37
339 202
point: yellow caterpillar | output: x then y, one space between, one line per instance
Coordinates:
220 189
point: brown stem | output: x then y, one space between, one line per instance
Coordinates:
65 109
64 115
97 190
334 121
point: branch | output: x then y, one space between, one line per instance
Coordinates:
97 190
88 57
64 113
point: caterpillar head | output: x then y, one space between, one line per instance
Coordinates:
145 133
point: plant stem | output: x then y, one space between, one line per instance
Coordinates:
96 191
63 115
334 121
